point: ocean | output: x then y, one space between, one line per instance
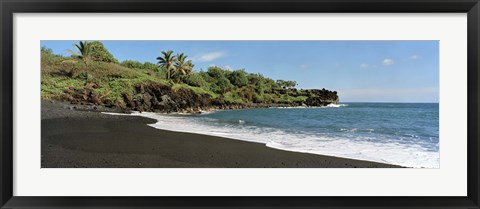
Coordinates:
405 134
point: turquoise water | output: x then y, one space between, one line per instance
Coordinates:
410 125
373 122
396 133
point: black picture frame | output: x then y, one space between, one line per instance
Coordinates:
10 7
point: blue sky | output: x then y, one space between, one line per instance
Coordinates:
360 71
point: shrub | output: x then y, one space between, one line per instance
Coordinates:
149 66
194 80
100 53
258 98
289 99
247 93
132 64
85 76
232 97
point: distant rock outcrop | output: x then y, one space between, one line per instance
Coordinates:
321 97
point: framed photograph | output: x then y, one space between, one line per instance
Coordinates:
238 104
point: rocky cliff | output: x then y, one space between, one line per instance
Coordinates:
162 98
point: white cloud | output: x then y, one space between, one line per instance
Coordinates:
415 57
228 67
387 62
209 56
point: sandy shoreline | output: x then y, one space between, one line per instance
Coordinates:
86 138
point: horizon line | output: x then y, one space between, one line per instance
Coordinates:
388 102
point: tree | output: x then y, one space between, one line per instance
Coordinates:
84 51
270 85
190 67
46 50
100 53
258 81
167 62
182 65
219 82
215 72
222 85
94 50
286 84
238 78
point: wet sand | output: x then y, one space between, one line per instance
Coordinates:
82 137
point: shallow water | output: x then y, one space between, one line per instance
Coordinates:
403 134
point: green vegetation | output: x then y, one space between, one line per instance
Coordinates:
100 53
93 72
83 53
167 63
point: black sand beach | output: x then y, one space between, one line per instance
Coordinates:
86 138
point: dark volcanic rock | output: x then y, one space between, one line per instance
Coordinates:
322 97
162 98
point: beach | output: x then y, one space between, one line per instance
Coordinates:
75 136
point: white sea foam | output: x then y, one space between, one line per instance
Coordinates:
294 107
336 105
407 155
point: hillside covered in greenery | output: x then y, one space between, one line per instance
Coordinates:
92 75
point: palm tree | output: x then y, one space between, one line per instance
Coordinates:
167 62
84 49
190 67
183 67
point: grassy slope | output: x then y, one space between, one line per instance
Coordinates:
60 74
